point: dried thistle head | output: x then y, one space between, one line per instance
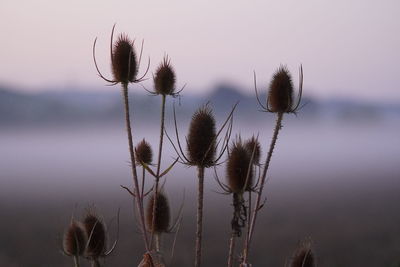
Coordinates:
96 232
124 62
143 153
304 255
164 79
254 145
280 96
237 168
75 238
201 141
162 214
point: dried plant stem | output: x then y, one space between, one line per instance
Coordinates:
143 180
199 228
232 243
257 205
155 190
139 199
95 263
76 261
158 241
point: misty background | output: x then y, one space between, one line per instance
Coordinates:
334 175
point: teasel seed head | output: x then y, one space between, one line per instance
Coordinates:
162 220
304 255
280 96
96 232
164 79
253 144
237 168
75 239
201 141
124 61
143 153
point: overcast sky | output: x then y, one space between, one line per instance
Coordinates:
347 47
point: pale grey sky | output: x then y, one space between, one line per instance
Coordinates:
347 47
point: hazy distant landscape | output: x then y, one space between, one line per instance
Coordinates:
334 177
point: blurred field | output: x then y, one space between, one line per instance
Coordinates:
336 183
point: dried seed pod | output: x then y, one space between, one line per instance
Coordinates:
96 232
162 213
143 153
75 239
253 144
280 96
164 79
201 139
304 256
237 168
124 62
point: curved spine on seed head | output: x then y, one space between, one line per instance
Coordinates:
75 238
280 95
96 232
304 256
253 146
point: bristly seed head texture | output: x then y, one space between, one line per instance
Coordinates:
162 214
201 141
144 153
96 232
164 79
280 96
75 239
253 144
124 61
304 256
237 168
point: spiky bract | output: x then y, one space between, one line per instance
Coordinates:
304 256
237 168
162 214
280 96
144 153
201 141
164 79
96 232
75 239
253 145
124 61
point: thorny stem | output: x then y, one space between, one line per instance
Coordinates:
139 199
76 261
199 229
158 241
232 242
155 190
257 206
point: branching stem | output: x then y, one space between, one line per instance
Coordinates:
155 190
139 199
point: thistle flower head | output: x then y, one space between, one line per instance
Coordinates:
164 79
201 143
124 62
253 144
280 96
304 256
96 232
237 168
75 239
143 153
162 214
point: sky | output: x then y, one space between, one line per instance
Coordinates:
348 48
